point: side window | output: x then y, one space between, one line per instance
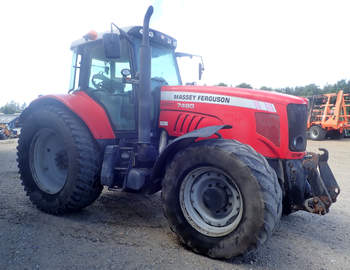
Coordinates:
99 71
75 71
106 75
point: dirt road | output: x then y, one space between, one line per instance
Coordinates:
125 231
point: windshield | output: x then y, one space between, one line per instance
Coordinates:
163 63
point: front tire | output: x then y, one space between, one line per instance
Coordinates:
58 160
221 198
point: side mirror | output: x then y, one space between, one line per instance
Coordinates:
200 70
111 44
200 66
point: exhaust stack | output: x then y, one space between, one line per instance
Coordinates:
144 100
146 151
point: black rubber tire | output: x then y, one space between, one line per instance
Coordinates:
335 134
317 133
82 185
258 184
346 133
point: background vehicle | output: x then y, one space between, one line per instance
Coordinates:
329 116
6 132
2 134
9 126
227 160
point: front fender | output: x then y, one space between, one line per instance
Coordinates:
88 110
179 143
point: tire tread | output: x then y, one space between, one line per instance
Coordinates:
85 191
265 175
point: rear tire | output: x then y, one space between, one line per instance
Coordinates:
317 133
58 160
234 168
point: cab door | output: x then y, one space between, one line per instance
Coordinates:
107 87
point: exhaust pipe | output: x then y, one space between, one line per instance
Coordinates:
146 151
144 101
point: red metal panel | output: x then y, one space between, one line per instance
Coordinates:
91 113
268 125
205 106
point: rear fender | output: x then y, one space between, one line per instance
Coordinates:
179 143
88 110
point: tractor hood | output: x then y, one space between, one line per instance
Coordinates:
265 120
219 94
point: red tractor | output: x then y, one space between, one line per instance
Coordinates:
228 161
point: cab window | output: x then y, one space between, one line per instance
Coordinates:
106 86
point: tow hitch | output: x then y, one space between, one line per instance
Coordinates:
324 187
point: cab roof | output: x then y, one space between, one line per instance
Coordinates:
135 31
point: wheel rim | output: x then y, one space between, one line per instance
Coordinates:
314 133
211 202
48 161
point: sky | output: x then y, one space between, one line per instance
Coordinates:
275 43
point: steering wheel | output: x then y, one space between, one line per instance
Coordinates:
98 81
103 83
159 80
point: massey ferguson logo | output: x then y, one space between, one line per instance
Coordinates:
216 99
190 97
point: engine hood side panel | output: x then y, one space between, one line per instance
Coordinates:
187 108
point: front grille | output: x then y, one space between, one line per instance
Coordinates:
297 119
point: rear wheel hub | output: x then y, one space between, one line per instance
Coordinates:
214 199
48 161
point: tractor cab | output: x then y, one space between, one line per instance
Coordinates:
110 81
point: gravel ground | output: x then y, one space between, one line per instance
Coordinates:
127 231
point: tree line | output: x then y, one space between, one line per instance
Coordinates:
12 107
305 91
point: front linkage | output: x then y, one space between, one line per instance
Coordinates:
325 189
311 184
